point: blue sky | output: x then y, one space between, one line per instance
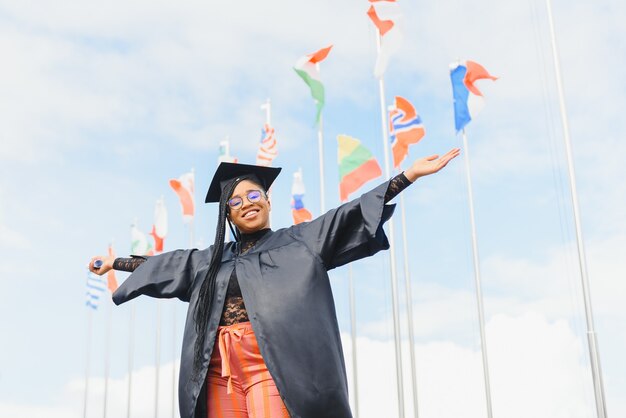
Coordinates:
102 103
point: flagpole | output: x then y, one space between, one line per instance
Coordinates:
226 156
594 355
355 378
409 306
392 252
268 120
131 343
268 111
157 359
479 297
87 357
174 360
193 172
320 148
107 358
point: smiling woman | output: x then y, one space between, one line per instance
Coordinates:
261 338
252 213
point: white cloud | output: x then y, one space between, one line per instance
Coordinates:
537 369
13 239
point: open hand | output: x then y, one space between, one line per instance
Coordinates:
429 165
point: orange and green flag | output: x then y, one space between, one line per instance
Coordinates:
307 69
357 166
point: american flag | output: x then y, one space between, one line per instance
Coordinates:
267 147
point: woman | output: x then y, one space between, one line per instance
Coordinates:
261 337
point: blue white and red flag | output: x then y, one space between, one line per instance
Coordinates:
468 100
267 147
299 212
405 128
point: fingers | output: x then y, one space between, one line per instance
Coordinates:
453 153
432 157
443 161
91 266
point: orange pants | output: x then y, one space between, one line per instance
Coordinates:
238 382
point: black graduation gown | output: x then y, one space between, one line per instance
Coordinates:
285 286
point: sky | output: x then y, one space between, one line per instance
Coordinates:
103 102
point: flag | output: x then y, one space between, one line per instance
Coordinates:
184 187
225 153
405 128
96 285
468 100
111 279
139 244
307 69
299 212
357 166
267 148
388 19
159 227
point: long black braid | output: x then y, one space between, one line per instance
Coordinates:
207 290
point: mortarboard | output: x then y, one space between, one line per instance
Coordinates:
226 172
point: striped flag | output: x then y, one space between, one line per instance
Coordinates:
299 212
357 166
96 285
267 148
468 100
306 67
387 17
405 128
159 227
111 279
184 188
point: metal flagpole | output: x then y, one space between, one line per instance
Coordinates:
157 359
355 378
173 359
392 251
107 358
267 106
220 159
596 372
193 171
479 296
131 343
320 147
409 306
87 356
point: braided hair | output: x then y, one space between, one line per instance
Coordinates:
207 289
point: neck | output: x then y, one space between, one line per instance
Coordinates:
253 236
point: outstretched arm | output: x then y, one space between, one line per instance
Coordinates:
112 263
420 168
430 165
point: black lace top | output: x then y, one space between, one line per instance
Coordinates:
234 307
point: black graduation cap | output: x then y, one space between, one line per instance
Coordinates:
226 172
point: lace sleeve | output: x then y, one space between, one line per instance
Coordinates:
396 185
128 264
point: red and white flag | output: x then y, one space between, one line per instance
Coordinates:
387 17
159 227
184 188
